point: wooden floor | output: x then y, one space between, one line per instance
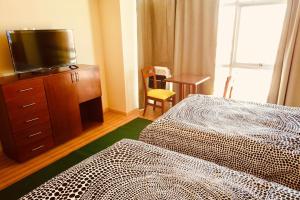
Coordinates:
11 171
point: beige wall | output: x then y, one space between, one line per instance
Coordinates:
113 56
130 52
104 31
79 15
119 35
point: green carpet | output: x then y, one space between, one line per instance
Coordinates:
130 130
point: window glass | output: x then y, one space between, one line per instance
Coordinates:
260 29
225 34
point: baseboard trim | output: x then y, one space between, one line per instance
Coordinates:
105 110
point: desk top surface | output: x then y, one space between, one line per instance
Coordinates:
188 79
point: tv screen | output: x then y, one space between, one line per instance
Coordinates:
37 49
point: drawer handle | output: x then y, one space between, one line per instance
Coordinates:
28 105
77 76
72 77
35 134
32 120
25 90
37 148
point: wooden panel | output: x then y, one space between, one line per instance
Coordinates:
24 111
24 107
63 106
5 129
29 120
22 89
29 151
88 84
32 134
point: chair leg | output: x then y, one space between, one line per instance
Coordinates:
230 93
162 107
173 101
146 103
154 106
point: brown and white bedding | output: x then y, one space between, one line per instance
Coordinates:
260 139
135 170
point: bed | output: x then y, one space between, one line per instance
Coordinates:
135 170
260 139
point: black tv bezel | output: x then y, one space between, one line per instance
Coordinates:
39 68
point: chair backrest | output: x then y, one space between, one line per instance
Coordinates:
148 72
228 87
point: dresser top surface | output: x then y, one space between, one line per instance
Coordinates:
7 79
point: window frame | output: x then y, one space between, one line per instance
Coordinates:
239 4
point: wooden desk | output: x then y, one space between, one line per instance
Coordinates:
191 81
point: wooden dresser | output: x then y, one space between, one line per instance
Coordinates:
39 111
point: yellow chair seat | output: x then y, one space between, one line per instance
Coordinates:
160 93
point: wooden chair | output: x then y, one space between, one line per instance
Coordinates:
157 95
228 87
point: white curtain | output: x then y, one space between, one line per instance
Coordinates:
285 86
156 25
179 34
196 39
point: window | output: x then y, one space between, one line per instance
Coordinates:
252 30
249 33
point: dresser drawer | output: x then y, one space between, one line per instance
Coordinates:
29 151
30 120
32 134
23 89
25 107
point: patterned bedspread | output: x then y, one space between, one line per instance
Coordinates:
260 139
135 170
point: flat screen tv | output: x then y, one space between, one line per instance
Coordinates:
33 50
